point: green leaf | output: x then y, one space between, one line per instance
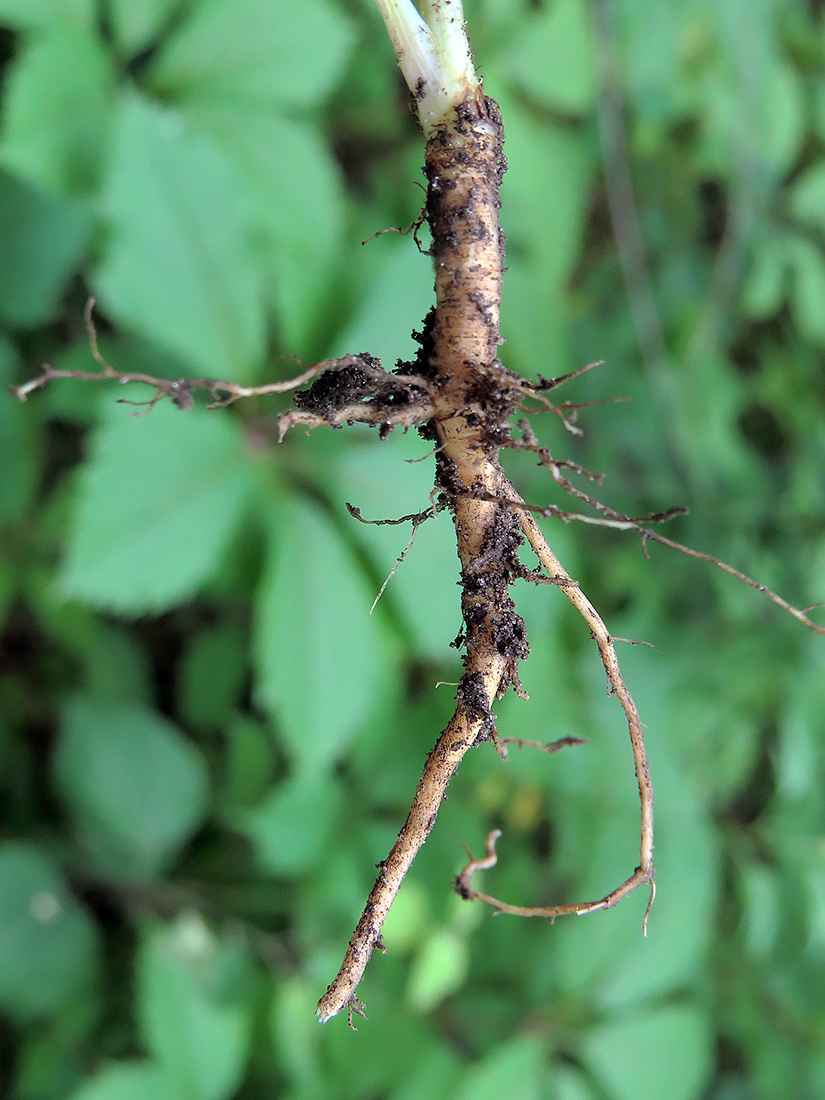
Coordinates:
182 266
666 1054
212 676
116 666
293 827
320 655
18 453
764 117
397 297
544 197
552 58
47 942
294 1031
439 969
128 1081
41 241
514 1068
807 265
424 584
649 39
301 226
136 787
765 285
138 22
248 763
58 111
410 918
269 52
779 127
806 199
159 499
196 1027
43 13
571 1085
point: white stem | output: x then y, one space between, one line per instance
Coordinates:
434 54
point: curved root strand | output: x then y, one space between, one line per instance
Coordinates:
641 876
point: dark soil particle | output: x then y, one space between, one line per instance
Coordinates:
334 390
472 694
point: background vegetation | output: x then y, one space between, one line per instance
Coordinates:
206 743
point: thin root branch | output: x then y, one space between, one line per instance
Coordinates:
398 561
485 671
544 746
464 888
545 384
763 588
619 522
410 410
644 873
413 229
415 517
358 1007
379 416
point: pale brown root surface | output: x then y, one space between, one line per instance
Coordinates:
459 736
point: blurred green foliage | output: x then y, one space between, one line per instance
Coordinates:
206 743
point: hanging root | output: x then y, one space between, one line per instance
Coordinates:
644 873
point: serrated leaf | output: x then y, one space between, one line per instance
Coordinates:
666 1054
270 52
318 651
58 111
159 499
47 941
301 226
41 241
136 787
198 1032
182 266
